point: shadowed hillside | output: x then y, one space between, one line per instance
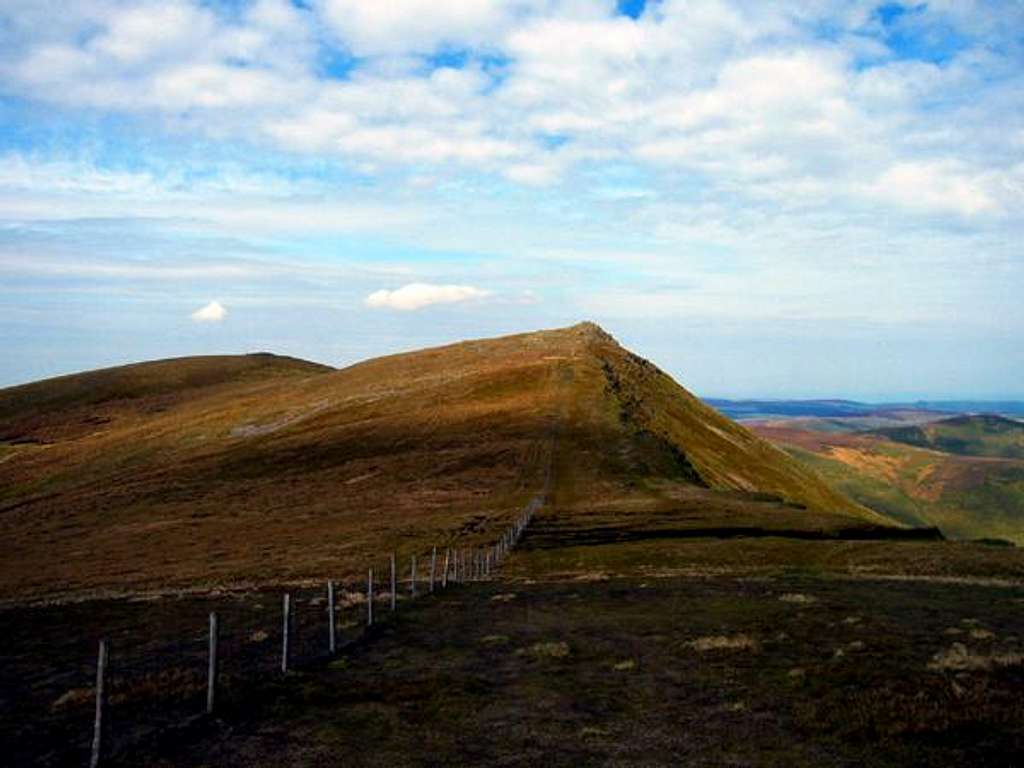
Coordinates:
266 469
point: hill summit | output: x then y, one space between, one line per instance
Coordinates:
264 469
966 435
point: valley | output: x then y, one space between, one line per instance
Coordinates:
960 473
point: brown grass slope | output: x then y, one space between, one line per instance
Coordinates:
73 405
722 453
296 476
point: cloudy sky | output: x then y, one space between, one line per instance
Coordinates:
813 198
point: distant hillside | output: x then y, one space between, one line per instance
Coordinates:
843 409
750 409
262 478
967 497
1002 407
972 435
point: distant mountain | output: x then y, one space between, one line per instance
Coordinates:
1001 407
261 469
762 409
969 435
749 409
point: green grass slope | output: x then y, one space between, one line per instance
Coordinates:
973 435
967 497
282 478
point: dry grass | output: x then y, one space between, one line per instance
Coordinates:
798 598
725 643
74 698
232 473
959 658
557 649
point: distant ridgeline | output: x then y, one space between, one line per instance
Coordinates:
983 435
749 409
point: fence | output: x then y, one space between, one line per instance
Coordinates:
147 688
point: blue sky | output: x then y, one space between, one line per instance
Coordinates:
767 199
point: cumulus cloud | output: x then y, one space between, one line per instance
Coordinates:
418 295
938 187
401 26
748 98
701 131
213 312
170 56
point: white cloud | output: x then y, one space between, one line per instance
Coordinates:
213 312
705 124
744 96
419 295
534 174
150 31
938 187
422 26
173 56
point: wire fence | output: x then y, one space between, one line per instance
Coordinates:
141 685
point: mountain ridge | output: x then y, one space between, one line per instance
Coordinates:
275 478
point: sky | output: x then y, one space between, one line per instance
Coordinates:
791 199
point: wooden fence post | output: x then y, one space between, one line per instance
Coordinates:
211 672
433 567
97 726
369 598
394 581
285 629
412 577
331 641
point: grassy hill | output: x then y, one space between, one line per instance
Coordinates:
969 435
689 594
967 497
213 471
75 405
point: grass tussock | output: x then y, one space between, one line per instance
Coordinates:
739 642
547 650
74 698
959 658
798 598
